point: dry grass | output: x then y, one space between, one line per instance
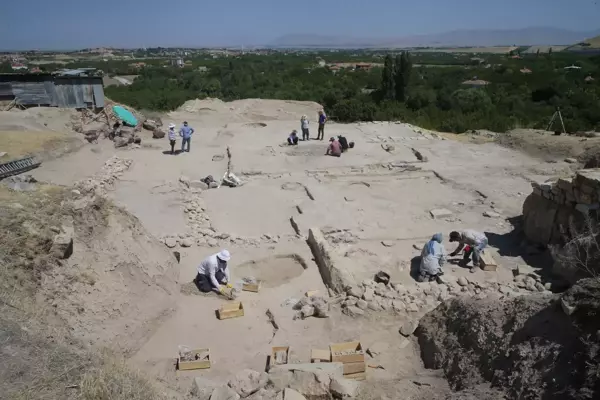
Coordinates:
18 144
581 252
38 358
113 380
26 219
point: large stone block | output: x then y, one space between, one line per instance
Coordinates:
247 382
330 264
538 218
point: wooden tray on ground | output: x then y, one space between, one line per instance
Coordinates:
354 368
251 287
348 352
320 355
197 364
359 376
487 262
231 310
277 349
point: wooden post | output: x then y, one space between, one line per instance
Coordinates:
229 166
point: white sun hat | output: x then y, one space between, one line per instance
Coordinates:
171 126
224 255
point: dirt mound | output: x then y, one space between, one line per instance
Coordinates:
119 281
84 264
548 146
527 347
252 110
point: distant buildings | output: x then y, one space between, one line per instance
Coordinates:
361 66
177 62
18 66
476 83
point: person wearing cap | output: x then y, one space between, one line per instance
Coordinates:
214 271
334 148
172 137
476 241
186 133
304 126
322 121
293 138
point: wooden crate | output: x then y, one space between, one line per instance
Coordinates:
359 376
355 350
277 349
354 368
319 355
487 262
251 287
199 364
231 310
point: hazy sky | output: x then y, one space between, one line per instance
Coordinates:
68 24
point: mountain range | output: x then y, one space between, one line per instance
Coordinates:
457 38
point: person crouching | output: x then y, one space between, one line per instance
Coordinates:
214 271
293 138
334 149
433 258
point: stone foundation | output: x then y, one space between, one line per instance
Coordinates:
555 207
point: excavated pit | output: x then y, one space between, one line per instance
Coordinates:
273 271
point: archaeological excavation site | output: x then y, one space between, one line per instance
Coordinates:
103 248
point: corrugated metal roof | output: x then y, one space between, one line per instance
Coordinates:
58 91
31 93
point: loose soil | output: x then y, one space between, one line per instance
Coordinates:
373 207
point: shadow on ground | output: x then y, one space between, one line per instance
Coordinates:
512 245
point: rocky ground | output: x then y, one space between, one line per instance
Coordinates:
371 210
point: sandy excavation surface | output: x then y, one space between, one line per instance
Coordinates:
372 205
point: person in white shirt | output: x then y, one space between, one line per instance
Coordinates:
214 271
476 241
304 126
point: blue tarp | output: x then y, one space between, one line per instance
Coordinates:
125 116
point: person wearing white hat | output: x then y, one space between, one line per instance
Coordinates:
172 137
213 272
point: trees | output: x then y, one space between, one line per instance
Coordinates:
387 79
403 76
436 100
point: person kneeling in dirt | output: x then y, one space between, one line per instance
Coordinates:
214 271
433 258
334 148
293 138
476 241
343 142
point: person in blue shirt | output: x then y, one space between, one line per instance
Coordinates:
186 133
322 120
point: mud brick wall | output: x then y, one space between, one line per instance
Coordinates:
555 207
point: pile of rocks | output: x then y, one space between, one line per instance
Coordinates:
338 236
125 135
283 382
312 306
424 297
104 180
581 191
